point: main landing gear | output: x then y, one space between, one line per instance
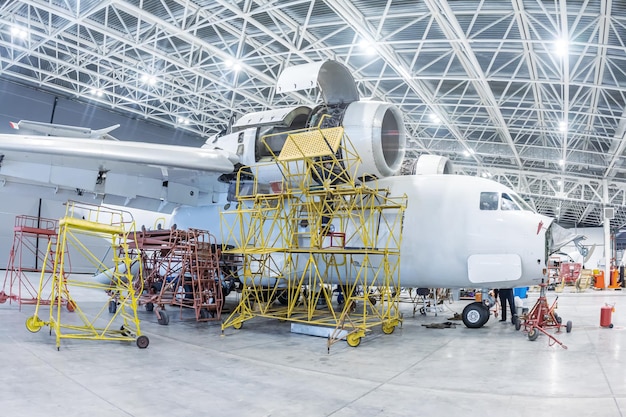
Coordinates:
475 315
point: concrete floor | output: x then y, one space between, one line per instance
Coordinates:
190 369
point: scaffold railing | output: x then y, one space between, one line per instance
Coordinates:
317 233
122 282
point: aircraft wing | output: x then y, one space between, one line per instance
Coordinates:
135 174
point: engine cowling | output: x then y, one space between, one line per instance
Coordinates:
377 132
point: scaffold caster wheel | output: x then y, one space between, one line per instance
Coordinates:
34 324
238 325
3 297
353 339
112 306
143 342
124 331
518 324
533 334
388 328
149 307
568 326
163 318
71 306
204 314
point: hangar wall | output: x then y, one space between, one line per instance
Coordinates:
20 102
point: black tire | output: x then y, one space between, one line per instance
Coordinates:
112 306
143 342
558 318
149 307
533 334
568 326
164 319
204 313
518 324
475 315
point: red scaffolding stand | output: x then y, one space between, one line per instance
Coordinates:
31 236
542 317
181 269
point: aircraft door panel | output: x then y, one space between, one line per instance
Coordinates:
485 268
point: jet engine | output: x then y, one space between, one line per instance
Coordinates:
375 129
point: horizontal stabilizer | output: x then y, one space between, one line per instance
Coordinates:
50 129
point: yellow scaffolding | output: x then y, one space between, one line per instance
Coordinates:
320 231
82 221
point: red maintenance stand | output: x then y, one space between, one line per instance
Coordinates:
542 317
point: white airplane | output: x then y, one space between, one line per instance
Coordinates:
465 232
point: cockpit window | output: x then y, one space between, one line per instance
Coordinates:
508 203
488 201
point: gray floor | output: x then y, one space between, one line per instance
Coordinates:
190 369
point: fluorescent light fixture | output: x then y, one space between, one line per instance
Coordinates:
19 32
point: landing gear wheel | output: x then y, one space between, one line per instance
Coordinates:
533 334
143 342
3 297
71 306
33 324
518 324
475 315
568 326
238 325
112 306
163 318
149 307
353 339
388 328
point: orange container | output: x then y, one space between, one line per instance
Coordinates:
599 280
605 316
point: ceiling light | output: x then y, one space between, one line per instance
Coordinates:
19 32
236 67
148 79
434 118
183 121
562 126
561 162
561 47
96 92
368 47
